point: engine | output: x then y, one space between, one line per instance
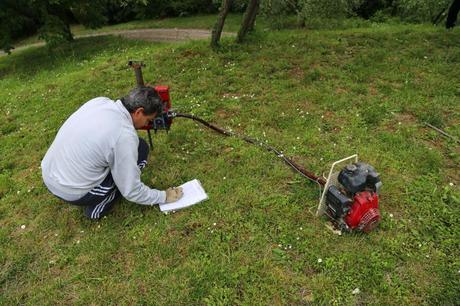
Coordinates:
353 204
162 121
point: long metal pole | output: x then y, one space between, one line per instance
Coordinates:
137 66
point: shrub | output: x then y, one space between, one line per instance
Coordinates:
420 10
277 11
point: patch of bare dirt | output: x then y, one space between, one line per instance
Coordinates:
159 35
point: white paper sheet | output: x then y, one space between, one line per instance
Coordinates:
193 194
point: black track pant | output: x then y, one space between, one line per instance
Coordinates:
102 198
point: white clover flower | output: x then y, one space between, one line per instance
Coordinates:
356 291
320 260
23 226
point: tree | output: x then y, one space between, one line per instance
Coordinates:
52 18
249 19
15 18
217 30
277 12
452 14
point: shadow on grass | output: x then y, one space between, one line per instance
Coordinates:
27 63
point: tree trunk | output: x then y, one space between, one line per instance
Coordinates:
452 14
68 36
300 20
440 16
217 30
249 20
252 21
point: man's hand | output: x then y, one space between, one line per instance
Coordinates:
173 194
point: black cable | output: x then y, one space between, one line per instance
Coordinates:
318 180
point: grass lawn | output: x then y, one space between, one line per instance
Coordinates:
319 95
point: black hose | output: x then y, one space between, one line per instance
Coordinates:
296 167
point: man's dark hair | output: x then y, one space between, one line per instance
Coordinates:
145 97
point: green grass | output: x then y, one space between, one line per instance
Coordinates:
318 95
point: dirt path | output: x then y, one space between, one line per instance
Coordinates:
162 35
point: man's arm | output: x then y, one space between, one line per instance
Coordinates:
126 173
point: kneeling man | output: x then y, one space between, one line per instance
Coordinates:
97 156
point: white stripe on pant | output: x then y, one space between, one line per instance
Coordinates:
100 207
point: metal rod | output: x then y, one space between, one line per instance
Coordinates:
442 132
137 66
150 139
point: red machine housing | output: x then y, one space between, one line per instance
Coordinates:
364 213
162 121
163 91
